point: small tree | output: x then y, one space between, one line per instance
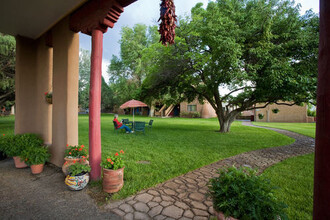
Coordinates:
261 51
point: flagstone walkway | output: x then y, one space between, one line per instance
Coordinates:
184 197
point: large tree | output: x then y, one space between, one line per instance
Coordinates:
7 70
128 71
240 55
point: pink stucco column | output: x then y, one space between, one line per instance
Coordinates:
95 104
322 144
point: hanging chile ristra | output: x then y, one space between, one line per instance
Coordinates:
168 22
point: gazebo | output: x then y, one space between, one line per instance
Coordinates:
47 58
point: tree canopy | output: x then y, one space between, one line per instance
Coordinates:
7 70
239 55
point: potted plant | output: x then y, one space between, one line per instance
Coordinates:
14 146
49 97
275 110
241 194
36 157
113 173
78 177
74 154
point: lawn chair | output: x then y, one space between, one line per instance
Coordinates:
149 125
139 126
125 121
116 127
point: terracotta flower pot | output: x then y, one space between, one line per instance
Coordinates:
49 100
69 161
77 182
19 163
37 168
221 216
113 180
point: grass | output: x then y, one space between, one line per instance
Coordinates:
307 129
294 176
174 146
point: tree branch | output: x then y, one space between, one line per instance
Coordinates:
235 90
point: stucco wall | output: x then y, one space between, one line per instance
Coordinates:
286 113
205 110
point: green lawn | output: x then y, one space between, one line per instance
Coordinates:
173 147
294 176
307 129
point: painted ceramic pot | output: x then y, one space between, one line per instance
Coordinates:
19 163
113 180
37 168
69 161
77 182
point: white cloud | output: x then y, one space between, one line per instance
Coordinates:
105 64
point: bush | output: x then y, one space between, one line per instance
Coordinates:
242 194
275 110
14 145
35 155
261 116
190 115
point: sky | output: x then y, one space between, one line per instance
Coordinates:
147 12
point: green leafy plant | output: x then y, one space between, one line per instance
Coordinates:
78 168
190 115
114 162
76 151
275 110
261 116
48 94
14 145
240 193
35 155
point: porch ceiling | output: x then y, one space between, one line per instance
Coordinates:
33 18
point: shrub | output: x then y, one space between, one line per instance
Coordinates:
190 115
113 162
242 194
78 168
275 110
14 145
35 155
261 116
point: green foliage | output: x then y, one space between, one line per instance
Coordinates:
78 168
7 70
113 162
49 94
261 51
240 193
190 114
260 116
14 145
34 155
76 151
275 110
311 110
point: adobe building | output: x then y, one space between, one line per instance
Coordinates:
47 60
205 110
282 113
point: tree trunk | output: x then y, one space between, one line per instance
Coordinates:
225 123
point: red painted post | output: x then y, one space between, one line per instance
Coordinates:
95 104
322 145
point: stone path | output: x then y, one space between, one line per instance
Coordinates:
184 197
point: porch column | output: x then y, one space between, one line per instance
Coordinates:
95 104
322 145
65 90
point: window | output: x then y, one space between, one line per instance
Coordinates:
191 108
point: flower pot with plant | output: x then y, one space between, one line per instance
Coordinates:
113 173
241 194
16 144
74 154
78 177
49 97
36 157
